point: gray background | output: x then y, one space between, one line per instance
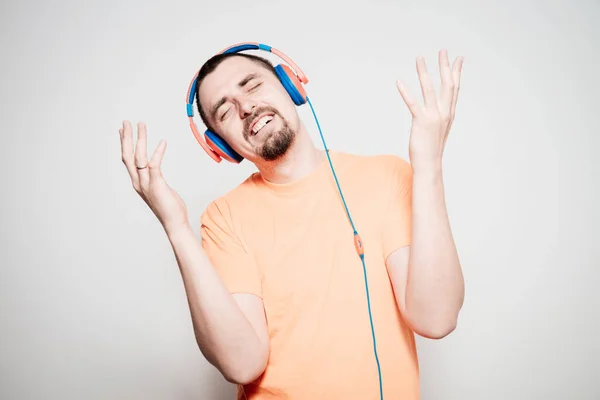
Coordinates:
91 300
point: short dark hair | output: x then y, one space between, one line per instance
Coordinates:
212 63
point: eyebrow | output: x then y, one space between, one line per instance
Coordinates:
222 100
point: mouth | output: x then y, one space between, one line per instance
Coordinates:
259 123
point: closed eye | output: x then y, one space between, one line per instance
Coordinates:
224 114
253 88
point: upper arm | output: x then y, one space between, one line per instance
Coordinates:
397 267
253 308
235 265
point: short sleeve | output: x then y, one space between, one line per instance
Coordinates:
397 224
227 252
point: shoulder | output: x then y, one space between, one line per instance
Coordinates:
228 206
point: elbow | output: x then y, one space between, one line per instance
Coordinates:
433 328
243 372
242 375
435 331
241 368
433 322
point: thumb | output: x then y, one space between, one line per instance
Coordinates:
156 160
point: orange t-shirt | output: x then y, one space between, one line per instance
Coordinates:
293 245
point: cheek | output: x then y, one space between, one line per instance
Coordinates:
291 115
277 96
284 103
231 132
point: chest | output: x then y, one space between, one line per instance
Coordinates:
305 228
304 247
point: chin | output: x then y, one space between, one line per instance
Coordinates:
276 145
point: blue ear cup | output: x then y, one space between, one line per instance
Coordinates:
291 84
221 147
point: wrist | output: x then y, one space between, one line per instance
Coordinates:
175 232
430 170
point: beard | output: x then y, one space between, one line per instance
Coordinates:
277 143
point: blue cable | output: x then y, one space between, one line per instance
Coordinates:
362 256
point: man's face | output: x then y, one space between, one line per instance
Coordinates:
250 109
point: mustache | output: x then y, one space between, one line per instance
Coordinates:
255 114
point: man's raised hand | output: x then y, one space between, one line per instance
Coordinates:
147 179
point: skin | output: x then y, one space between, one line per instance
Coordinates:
231 330
244 105
429 285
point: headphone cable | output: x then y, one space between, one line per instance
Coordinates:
361 254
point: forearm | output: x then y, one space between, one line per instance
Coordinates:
435 287
224 335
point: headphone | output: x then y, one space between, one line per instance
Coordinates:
291 79
218 149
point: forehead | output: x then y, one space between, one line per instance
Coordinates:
227 75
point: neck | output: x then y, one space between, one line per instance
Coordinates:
300 160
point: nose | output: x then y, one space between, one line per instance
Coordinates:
247 108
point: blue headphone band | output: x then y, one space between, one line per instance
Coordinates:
239 48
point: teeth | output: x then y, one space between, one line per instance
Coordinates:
261 123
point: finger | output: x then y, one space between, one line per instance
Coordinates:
127 153
426 84
156 160
410 101
456 74
141 156
447 90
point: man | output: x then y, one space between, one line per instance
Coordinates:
276 291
